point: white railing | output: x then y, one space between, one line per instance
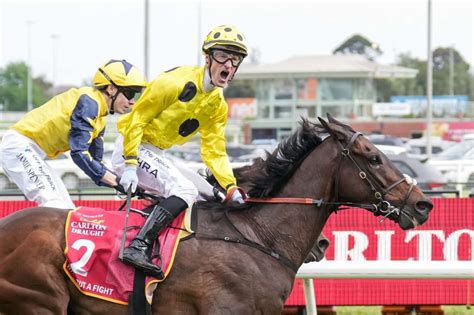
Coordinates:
379 270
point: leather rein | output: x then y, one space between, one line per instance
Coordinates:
382 207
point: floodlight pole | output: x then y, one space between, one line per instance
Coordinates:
199 17
451 70
146 38
29 85
429 88
54 39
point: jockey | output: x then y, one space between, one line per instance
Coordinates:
75 121
174 107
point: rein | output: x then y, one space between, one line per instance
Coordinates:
383 207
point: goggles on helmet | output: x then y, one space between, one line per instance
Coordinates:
222 56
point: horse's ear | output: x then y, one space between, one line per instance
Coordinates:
323 123
334 127
331 119
327 126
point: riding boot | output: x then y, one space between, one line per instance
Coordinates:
138 252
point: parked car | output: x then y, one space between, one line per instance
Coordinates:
392 141
438 145
456 163
427 177
391 149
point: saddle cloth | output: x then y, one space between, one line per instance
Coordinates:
93 239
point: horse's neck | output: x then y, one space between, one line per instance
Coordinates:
293 228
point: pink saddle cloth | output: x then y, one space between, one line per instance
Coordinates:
93 239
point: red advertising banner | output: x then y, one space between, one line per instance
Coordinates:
356 234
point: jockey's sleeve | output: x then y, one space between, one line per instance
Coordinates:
213 151
81 136
97 146
158 95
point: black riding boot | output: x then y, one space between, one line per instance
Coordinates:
138 251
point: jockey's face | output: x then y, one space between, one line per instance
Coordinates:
223 66
122 102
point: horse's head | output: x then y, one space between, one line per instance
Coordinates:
366 177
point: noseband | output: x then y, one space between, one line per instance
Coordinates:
382 207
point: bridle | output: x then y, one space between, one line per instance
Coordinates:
381 207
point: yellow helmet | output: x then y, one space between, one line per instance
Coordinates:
119 73
227 36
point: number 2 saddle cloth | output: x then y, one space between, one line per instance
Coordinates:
93 240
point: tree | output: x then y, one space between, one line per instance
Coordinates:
389 87
441 79
13 88
358 44
441 72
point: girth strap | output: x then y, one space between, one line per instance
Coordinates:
282 259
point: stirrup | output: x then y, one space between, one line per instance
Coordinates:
135 259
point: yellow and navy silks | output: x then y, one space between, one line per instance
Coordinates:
73 120
172 109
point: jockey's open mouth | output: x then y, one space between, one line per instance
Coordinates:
224 75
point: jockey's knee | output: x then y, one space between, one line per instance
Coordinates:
188 193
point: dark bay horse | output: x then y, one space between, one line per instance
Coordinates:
253 276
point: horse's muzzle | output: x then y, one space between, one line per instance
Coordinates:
422 209
411 217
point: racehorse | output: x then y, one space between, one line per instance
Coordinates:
251 270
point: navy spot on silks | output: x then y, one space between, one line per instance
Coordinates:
217 35
171 69
189 91
126 65
239 37
228 29
188 127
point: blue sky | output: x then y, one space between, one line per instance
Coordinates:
89 32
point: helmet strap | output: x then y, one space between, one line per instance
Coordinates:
113 98
207 83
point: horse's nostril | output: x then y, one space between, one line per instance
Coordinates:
424 206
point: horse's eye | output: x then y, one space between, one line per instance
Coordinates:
375 160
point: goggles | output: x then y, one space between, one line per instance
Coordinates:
128 93
222 56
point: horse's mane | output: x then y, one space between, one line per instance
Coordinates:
266 176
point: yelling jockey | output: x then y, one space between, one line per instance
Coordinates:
75 121
173 108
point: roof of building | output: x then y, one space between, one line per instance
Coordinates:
324 66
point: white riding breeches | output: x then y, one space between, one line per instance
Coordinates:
23 161
156 173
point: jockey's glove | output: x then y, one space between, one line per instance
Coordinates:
129 177
120 189
235 194
140 192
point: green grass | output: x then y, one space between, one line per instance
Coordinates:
457 310
359 310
